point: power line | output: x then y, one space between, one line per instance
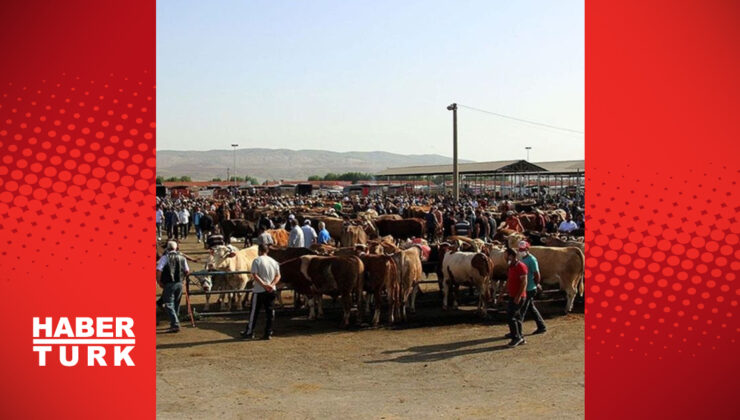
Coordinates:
521 119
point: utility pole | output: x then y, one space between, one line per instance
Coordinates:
235 172
455 174
528 149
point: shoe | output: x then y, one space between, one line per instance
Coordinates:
173 330
539 331
515 342
247 335
267 337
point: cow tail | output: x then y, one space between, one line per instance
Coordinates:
581 282
395 289
360 284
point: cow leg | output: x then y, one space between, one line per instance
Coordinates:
455 290
222 301
312 308
376 299
346 308
208 297
413 298
320 304
482 301
570 294
445 291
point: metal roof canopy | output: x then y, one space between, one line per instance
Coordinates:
505 166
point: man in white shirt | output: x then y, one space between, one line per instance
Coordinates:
309 234
567 225
264 238
295 240
266 275
183 218
159 220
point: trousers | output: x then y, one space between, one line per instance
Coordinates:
514 316
262 300
171 295
529 304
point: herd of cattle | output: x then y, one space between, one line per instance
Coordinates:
383 259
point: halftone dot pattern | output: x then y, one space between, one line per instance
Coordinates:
78 161
661 275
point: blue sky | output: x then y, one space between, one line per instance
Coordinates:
371 75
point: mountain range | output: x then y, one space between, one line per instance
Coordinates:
282 164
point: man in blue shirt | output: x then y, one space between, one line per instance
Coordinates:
533 286
324 236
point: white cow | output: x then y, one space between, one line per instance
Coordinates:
227 258
472 268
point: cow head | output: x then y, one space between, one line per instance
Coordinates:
222 258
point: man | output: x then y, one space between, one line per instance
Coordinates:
492 226
295 240
567 225
159 220
309 234
462 227
264 238
533 286
170 221
172 269
512 222
324 236
266 275
481 225
183 217
516 285
431 222
197 215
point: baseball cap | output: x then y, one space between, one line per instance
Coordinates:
523 245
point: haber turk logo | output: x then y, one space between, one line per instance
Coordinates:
101 341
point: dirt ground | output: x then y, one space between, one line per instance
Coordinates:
439 364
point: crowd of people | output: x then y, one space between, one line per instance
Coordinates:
475 216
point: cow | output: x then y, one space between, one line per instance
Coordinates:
227 258
381 276
279 236
334 225
315 276
473 268
389 217
282 254
401 229
353 235
554 241
237 228
408 266
563 267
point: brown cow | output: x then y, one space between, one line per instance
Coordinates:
284 254
353 235
335 276
408 265
280 236
401 229
381 275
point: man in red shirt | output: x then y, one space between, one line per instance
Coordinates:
516 285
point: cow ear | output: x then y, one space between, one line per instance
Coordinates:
232 254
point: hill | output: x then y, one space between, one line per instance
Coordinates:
282 163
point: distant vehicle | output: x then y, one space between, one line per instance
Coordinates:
161 191
304 189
